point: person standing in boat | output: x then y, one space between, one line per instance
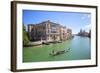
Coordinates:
53 51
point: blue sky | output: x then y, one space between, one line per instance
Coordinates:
72 20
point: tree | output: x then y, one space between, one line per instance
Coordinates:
25 37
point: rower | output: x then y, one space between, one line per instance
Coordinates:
53 51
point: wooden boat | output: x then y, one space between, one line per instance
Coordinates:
58 52
46 43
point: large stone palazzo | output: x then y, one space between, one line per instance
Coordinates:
48 31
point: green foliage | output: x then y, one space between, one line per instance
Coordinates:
25 36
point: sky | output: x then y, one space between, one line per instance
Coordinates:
72 20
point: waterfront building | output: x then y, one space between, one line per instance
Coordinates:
48 31
84 33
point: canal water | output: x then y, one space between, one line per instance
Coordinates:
79 49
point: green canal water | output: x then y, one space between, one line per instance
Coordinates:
79 50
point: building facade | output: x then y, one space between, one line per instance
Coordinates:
48 31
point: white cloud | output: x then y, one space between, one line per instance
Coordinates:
89 16
85 16
87 26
